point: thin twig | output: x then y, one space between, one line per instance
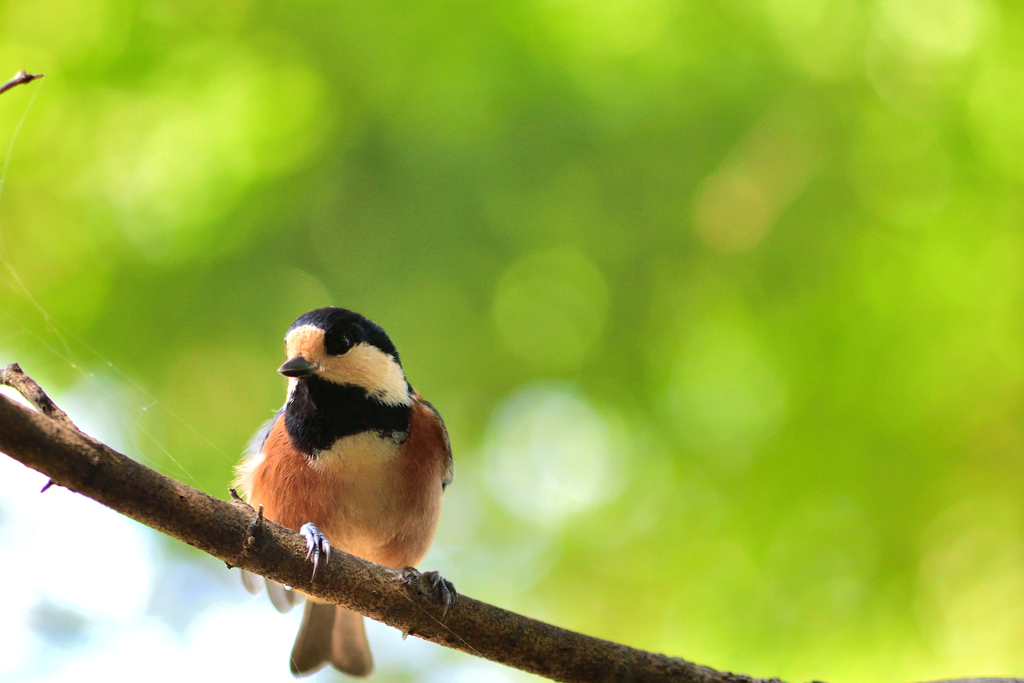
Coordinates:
13 376
235 498
20 78
222 529
254 529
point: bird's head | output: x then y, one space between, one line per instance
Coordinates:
344 348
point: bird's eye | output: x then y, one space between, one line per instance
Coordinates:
338 345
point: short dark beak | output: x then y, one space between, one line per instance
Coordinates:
297 367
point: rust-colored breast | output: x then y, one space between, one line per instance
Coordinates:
290 491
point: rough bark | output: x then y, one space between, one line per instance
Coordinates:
238 535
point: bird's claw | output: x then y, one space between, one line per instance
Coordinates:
434 586
317 546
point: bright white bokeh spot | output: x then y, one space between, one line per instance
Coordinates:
247 640
549 454
146 652
115 577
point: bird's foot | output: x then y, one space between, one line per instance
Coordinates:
317 546
434 586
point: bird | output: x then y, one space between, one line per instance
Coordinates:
355 460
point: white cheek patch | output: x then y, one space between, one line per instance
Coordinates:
368 367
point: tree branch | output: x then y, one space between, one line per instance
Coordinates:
19 78
13 376
239 536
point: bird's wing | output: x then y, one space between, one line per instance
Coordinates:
252 456
433 426
282 598
255 445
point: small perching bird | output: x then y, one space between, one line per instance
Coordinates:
355 460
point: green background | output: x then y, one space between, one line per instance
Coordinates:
721 301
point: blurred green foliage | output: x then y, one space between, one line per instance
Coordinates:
721 301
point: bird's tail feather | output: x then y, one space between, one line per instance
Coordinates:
331 634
